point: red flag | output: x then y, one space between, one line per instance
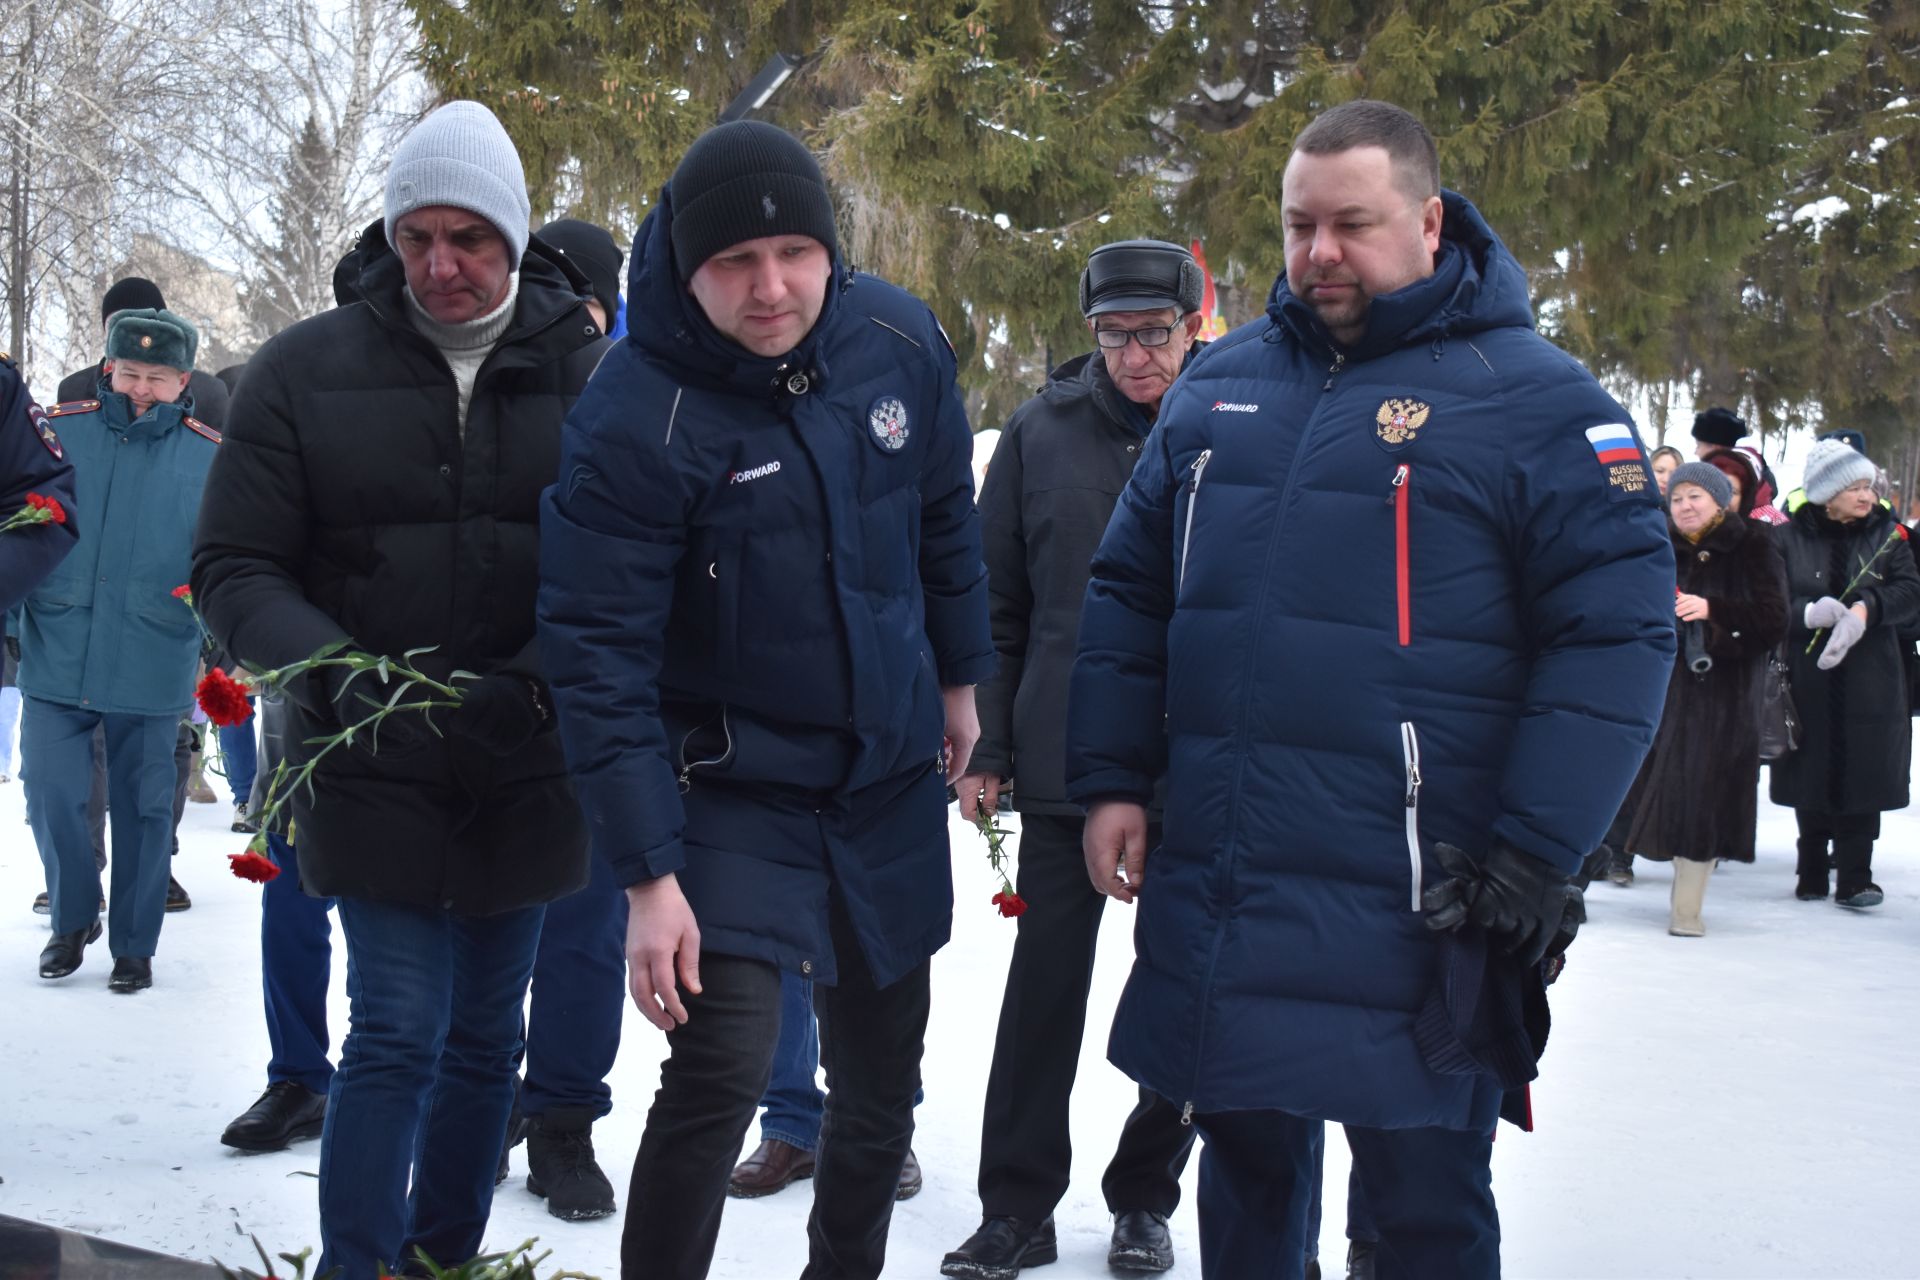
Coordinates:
1206 296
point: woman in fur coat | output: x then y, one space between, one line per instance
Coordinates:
1696 795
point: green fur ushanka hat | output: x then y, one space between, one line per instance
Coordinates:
153 337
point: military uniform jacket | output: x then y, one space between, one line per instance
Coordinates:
104 631
756 576
32 460
1415 590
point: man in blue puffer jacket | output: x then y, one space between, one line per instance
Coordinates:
762 606
1392 573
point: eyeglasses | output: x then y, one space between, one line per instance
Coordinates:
1114 339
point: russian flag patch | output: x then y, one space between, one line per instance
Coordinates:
1618 450
1614 442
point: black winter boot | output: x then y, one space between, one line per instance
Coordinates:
1810 866
1360 1259
561 1167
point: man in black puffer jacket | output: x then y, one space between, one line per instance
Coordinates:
383 486
1059 468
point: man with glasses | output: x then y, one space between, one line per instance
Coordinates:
1059 468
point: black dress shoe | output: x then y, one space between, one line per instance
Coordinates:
62 955
1000 1248
911 1179
131 973
177 899
287 1112
1141 1242
1360 1259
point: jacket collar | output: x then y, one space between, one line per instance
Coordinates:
116 410
1476 285
669 325
1087 374
551 289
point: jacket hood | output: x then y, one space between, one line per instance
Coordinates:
550 286
666 322
1476 285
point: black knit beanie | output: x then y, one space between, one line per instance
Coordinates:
131 294
741 181
591 249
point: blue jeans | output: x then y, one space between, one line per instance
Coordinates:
1429 1192
240 756
9 718
296 966
793 1101
56 743
579 993
425 1082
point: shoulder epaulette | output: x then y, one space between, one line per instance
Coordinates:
200 428
73 406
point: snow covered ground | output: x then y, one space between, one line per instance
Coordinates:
1747 1105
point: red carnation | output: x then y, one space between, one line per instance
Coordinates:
224 699
1902 531
183 592
1010 904
251 866
36 500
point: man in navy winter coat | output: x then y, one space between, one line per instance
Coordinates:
763 606
1393 576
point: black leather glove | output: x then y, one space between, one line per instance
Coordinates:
1532 910
499 713
355 696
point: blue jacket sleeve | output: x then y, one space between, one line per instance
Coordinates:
953 576
28 464
1595 568
612 532
1117 701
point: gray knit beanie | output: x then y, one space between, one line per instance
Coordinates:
1708 477
1834 466
461 156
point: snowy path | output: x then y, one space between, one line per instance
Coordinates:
1743 1106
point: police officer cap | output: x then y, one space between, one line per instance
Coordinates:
1847 436
1140 275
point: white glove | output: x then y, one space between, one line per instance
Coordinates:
1846 632
1824 612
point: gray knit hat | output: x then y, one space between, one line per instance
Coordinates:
1834 466
461 156
1708 477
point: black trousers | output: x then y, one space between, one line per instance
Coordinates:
710 1085
1026 1149
1851 836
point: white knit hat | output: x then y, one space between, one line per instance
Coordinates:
1832 467
461 156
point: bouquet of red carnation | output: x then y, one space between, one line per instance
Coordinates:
40 509
227 700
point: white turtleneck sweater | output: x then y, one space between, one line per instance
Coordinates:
466 346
